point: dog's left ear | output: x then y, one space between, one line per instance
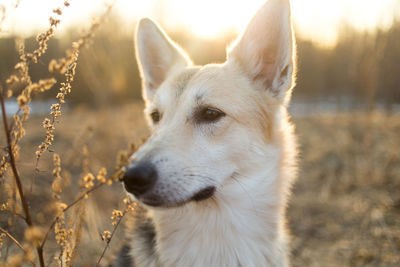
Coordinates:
266 50
157 56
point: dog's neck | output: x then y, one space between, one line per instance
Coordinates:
240 226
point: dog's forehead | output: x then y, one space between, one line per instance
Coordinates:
180 81
175 86
209 82
201 85
216 83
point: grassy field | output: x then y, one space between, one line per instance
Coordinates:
345 209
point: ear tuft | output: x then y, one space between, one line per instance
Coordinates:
157 56
266 49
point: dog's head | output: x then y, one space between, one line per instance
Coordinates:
210 124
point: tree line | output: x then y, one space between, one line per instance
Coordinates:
362 69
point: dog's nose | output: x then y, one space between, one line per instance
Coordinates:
140 178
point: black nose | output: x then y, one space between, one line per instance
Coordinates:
140 178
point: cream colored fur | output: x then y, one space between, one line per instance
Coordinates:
248 155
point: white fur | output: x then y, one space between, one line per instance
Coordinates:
248 155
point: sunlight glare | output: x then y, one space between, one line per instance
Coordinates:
322 20
209 18
318 20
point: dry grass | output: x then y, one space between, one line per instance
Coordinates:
86 141
38 211
346 205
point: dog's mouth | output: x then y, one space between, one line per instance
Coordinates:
204 194
157 201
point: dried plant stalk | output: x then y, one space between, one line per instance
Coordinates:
67 232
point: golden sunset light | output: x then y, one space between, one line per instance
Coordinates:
318 20
199 133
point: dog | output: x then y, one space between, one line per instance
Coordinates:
213 179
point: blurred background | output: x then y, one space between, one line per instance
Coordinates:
348 51
346 108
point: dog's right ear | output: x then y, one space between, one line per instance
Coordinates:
157 56
266 50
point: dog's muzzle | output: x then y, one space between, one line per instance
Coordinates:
140 180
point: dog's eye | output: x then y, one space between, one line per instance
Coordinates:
155 116
209 114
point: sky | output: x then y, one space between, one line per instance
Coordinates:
318 20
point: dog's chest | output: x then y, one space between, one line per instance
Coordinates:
211 241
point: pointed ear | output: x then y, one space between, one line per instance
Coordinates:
157 56
266 50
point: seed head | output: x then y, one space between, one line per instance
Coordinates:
101 176
57 11
116 215
12 80
88 181
106 236
22 100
